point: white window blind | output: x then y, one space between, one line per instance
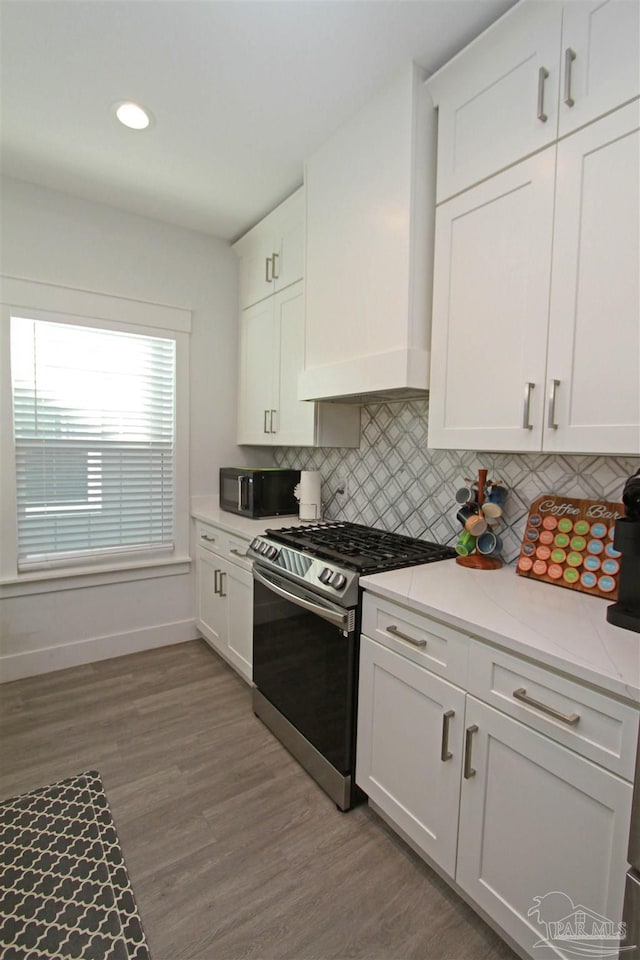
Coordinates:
94 430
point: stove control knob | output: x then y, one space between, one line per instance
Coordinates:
338 580
263 548
255 543
272 553
326 575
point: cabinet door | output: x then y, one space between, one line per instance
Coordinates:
490 311
600 59
258 346
402 710
294 419
211 607
288 266
498 99
237 584
594 332
543 832
256 267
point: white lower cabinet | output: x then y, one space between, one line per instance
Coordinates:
410 732
224 597
540 827
526 825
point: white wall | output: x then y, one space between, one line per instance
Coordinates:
51 237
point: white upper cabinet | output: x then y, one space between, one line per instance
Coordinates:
490 309
541 71
271 356
272 253
600 59
498 99
368 249
593 371
536 306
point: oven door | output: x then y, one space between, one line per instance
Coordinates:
304 663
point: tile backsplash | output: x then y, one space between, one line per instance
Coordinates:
396 483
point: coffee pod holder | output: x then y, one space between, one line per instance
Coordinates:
471 516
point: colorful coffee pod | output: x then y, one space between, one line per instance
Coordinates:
565 525
599 531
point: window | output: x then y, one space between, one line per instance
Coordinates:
94 429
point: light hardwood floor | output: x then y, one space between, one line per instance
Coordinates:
233 851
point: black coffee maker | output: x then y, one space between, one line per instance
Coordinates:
626 612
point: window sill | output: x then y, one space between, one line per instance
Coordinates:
75 578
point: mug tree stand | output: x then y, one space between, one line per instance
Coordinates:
477 561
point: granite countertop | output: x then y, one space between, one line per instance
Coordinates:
556 627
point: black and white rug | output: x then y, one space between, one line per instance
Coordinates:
65 892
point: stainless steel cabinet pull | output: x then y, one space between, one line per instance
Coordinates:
216 583
271 428
570 718
265 428
393 630
543 73
267 264
222 583
445 753
569 57
237 553
468 769
276 276
553 389
205 536
526 411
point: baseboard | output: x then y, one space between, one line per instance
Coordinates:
30 663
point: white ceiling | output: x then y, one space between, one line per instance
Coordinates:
242 92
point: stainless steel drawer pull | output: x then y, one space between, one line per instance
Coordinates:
267 264
222 583
393 630
570 718
276 276
468 769
553 391
237 553
205 536
569 57
445 753
526 412
273 429
543 74
216 581
265 429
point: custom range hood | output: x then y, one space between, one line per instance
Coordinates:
370 207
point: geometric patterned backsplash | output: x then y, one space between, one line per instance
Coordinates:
397 484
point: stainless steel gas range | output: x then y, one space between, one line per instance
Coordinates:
306 625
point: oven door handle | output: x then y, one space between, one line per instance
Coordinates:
338 619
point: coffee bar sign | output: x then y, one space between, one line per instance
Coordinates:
569 542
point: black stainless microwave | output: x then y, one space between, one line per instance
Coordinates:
259 492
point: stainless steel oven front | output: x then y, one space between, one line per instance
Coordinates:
305 661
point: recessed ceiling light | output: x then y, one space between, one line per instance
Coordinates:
133 115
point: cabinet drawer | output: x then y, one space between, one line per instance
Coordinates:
228 545
592 724
435 646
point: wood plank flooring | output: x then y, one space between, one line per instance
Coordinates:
233 851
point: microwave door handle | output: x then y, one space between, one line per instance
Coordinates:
243 493
337 619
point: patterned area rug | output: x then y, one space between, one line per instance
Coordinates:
65 892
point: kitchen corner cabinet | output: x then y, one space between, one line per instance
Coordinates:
540 72
224 596
272 253
506 798
271 358
536 321
369 235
